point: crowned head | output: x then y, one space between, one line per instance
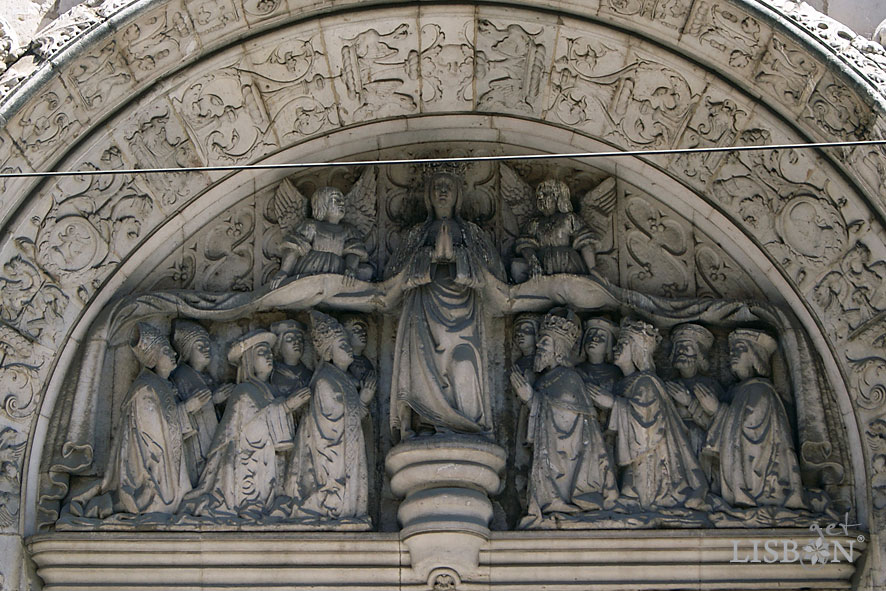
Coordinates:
193 343
557 336
152 349
750 353
331 340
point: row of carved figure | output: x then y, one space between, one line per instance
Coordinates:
555 239
174 453
610 435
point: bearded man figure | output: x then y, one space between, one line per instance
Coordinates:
572 470
658 468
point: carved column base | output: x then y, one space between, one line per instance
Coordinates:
445 483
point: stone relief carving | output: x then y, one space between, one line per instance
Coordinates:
511 64
332 240
226 117
728 31
92 222
639 104
553 238
288 447
294 83
380 72
439 62
156 139
100 78
787 71
162 38
12 453
670 13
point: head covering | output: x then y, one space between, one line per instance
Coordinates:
601 323
644 332
185 334
353 320
247 342
283 326
694 332
525 318
146 342
324 328
761 343
561 323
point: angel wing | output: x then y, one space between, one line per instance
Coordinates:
596 207
290 206
360 210
520 199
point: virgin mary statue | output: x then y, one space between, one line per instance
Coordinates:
439 381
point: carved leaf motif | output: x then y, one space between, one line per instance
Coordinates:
656 251
97 77
870 375
225 113
789 72
728 31
157 39
441 64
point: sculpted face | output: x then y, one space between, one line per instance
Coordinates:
621 352
342 353
685 357
741 360
336 207
524 338
292 345
200 353
166 361
547 199
358 336
545 354
597 342
443 196
263 359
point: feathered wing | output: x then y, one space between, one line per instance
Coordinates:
520 200
596 206
360 204
290 206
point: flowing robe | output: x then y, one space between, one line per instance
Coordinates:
241 469
328 476
323 246
557 240
439 371
752 436
147 471
572 470
188 382
659 469
289 378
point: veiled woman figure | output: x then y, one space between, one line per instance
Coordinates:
439 381
328 477
241 468
147 469
289 374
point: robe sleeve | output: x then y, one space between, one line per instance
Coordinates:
353 245
280 424
529 239
301 241
582 236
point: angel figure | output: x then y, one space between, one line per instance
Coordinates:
554 239
333 239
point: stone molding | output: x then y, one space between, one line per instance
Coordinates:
512 560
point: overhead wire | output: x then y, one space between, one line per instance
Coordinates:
448 159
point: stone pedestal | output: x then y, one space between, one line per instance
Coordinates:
445 483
